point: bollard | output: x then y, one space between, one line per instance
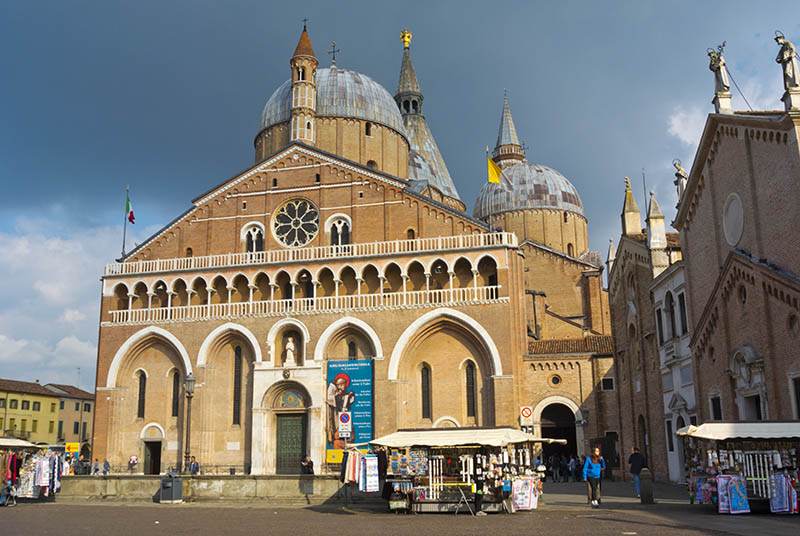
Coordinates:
646 486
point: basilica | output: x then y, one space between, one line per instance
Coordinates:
339 278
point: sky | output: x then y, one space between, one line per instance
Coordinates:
166 97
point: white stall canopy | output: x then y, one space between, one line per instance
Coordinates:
721 431
455 437
12 443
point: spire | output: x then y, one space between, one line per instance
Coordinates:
409 95
508 150
656 237
612 255
507 135
304 47
654 211
631 218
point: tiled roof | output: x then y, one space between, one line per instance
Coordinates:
69 391
587 345
304 47
16 386
507 135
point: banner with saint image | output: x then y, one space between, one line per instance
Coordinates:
349 388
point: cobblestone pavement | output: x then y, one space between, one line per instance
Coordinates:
562 512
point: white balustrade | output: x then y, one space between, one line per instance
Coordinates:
318 305
281 256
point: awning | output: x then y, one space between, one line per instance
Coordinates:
720 431
454 437
11 443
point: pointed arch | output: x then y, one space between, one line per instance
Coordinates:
331 330
467 321
202 355
280 324
136 338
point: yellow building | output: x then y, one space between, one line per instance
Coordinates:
28 410
75 415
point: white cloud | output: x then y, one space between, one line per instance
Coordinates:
687 124
72 315
49 282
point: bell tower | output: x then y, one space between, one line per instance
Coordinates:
304 90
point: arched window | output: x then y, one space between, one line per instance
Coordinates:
142 393
410 234
372 164
340 233
188 252
570 250
471 409
301 73
415 106
237 385
565 217
176 392
425 384
368 129
352 351
254 239
406 106
669 309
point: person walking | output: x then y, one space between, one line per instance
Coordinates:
96 467
564 469
106 467
194 466
637 462
592 472
572 466
555 462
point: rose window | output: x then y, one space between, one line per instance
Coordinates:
296 223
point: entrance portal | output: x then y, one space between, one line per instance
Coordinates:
291 442
558 422
152 457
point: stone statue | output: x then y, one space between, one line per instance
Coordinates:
722 83
681 178
290 349
787 57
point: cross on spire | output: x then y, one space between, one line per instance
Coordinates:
305 20
333 52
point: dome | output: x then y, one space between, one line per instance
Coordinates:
534 187
340 93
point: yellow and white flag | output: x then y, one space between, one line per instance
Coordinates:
496 175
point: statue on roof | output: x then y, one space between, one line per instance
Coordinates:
787 57
681 178
405 37
722 83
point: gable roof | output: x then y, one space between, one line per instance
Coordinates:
264 165
31 388
69 391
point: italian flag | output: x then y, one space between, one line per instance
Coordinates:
129 208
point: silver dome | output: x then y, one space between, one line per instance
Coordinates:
533 187
340 93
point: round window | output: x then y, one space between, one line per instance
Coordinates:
296 223
733 219
555 380
794 325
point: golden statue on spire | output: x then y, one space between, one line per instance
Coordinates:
405 37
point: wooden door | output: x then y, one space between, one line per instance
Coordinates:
291 443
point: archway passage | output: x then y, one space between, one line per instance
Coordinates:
558 422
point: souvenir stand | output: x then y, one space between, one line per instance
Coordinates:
739 465
34 471
455 469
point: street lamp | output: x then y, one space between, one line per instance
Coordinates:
188 385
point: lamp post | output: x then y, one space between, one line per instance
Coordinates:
188 385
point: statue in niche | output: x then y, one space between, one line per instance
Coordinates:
290 350
787 57
722 82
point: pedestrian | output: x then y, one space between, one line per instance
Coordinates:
555 463
307 466
573 468
592 471
194 466
637 462
106 467
96 467
564 467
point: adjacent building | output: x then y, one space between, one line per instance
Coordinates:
647 328
28 410
75 415
736 218
345 249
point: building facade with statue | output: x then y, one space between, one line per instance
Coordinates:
341 274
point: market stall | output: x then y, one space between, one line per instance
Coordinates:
470 469
30 471
738 465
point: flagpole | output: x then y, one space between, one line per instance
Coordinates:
125 221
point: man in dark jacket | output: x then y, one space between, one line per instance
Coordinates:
637 462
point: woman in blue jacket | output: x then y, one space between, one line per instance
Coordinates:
592 470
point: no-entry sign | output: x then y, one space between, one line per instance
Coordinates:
526 415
